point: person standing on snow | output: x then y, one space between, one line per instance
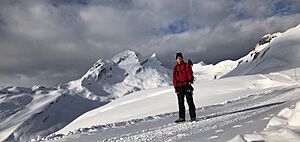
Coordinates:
182 80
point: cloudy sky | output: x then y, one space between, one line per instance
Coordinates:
51 41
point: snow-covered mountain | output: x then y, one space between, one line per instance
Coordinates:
42 111
27 113
226 107
203 72
273 53
125 73
153 101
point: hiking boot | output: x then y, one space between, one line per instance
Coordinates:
180 120
193 120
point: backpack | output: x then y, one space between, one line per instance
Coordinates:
190 63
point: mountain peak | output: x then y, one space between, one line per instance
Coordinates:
100 70
99 64
153 55
266 39
128 57
201 63
273 53
155 60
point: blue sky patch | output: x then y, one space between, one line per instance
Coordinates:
178 26
283 8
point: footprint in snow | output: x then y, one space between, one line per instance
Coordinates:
237 126
213 137
182 135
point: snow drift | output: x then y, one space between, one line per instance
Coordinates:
27 113
163 100
273 53
203 72
283 127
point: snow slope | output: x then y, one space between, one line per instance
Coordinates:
27 113
203 72
273 53
125 73
276 52
226 107
30 112
163 100
285 126
14 106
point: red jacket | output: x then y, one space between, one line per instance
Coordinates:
182 75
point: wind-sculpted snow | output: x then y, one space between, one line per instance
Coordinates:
17 104
285 126
33 112
131 88
216 123
28 113
163 100
273 53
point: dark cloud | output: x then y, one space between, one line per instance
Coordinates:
48 42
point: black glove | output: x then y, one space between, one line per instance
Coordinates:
189 88
191 81
176 89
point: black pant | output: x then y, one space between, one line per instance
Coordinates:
189 97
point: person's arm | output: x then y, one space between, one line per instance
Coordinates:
175 81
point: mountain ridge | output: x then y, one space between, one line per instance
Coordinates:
101 84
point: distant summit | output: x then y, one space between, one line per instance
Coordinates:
273 53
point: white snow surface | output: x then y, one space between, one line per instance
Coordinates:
125 73
28 113
225 108
203 72
285 126
274 53
163 100
234 104
130 98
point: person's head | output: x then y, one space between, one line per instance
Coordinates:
179 57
